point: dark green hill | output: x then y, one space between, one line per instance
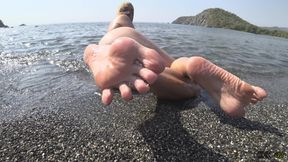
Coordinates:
2 25
219 18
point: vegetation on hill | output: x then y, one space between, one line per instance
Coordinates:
219 18
276 28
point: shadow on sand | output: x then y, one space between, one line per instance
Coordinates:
170 141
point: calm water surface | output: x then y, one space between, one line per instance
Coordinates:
36 62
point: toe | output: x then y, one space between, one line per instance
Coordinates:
260 93
254 100
126 92
147 75
107 96
141 86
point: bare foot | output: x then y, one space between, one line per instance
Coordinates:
231 93
126 9
124 64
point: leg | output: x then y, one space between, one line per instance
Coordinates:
231 93
115 61
227 90
120 21
122 26
116 46
173 86
120 32
122 49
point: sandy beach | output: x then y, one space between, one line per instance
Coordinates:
146 129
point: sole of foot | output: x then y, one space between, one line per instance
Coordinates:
125 64
230 92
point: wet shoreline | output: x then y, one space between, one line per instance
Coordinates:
79 127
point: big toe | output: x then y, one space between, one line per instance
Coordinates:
260 93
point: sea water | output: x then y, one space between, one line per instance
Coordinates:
47 60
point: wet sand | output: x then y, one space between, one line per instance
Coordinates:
65 126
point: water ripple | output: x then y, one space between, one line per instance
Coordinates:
53 51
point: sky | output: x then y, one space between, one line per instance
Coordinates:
37 12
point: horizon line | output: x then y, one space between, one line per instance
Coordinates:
79 22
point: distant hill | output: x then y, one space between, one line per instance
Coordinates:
219 18
2 25
276 28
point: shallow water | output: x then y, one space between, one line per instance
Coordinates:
39 61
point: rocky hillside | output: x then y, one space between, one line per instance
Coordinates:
219 18
2 25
